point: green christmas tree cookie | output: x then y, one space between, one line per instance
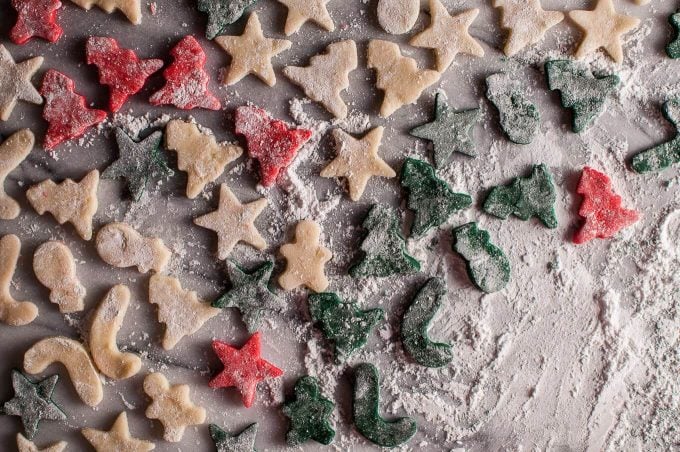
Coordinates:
222 13
451 131
308 413
243 442
519 117
580 90
666 154
525 197
430 197
384 247
673 47
365 408
487 266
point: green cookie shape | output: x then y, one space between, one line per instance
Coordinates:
666 154
416 322
384 246
343 323
308 413
525 197
673 47
243 442
451 131
519 117
487 266
222 13
580 90
365 408
33 402
430 197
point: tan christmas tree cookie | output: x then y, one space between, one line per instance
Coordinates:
24 445
118 439
526 22
131 8
12 312
55 268
305 259
13 151
15 82
198 154
121 246
300 11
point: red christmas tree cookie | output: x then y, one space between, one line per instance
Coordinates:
36 18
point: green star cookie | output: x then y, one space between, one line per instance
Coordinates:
222 13
519 117
343 323
33 402
308 413
666 154
487 266
430 197
673 47
243 442
451 131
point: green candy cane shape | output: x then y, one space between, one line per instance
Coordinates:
487 266
666 154
365 408
673 47
519 117
416 322
308 413
222 13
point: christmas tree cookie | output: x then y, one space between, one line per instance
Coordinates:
673 47
222 13
487 266
308 413
518 116
666 154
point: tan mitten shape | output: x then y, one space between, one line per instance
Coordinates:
55 268
121 246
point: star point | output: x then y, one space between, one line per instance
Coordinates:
301 11
526 22
16 82
242 442
25 445
116 439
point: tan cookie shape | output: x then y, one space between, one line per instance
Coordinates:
107 321
198 154
12 312
73 202
180 310
55 268
234 222
15 82
357 160
24 445
397 16
118 439
300 11
603 28
448 35
119 245
526 22
305 259
172 406
74 357
398 76
251 53
13 151
327 76
131 8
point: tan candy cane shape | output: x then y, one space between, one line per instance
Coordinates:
12 312
121 246
13 151
55 268
74 357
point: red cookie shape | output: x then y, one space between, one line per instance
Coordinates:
186 84
36 18
65 111
243 368
601 208
120 69
270 141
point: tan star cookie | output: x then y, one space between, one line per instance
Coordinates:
55 268
234 222
398 76
131 8
198 154
448 35
68 201
305 259
15 82
118 439
327 76
24 445
121 246
12 312
300 11
526 22
172 406
251 53
13 151
603 28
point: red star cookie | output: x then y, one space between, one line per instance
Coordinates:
243 368
36 18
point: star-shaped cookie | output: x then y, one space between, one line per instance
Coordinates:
357 160
117 439
448 35
16 82
251 53
243 442
603 28
526 22
305 259
25 445
300 11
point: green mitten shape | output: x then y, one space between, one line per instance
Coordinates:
519 117
308 413
487 266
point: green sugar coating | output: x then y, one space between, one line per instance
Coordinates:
451 131
343 323
416 322
673 47
250 294
580 90
666 154
222 13
365 408
429 197
137 161
487 266
384 246
33 402
525 197
243 442
308 413
519 117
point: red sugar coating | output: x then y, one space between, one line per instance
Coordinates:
601 208
65 111
186 84
36 18
120 69
270 141
243 368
